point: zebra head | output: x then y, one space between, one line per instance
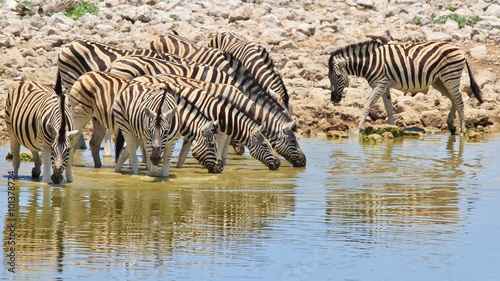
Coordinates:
205 150
60 147
337 74
260 149
285 143
159 126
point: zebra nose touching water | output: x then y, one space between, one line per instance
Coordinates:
38 117
407 67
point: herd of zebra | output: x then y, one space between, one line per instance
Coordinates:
210 96
226 92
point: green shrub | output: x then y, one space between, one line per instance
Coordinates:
462 21
25 157
82 8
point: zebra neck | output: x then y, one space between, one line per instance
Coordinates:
358 65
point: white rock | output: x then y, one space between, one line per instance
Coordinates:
478 52
306 29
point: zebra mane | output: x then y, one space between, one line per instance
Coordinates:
348 50
64 121
242 76
164 97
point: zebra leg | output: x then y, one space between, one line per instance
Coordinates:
167 154
95 142
15 147
36 171
186 145
377 91
455 102
386 97
46 164
121 159
107 144
69 167
144 153
222 140
132 144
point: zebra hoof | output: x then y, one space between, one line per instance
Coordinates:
35 174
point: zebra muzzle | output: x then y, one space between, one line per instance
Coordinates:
216 169
57 176
275 164
336 96
155 156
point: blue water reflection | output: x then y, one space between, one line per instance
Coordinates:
411 209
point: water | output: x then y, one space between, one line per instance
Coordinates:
412 209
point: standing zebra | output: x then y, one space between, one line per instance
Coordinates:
408 67
38 117
95 93
83 55
233 122
257 62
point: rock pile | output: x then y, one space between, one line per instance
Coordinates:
298 34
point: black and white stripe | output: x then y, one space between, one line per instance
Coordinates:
256 61
236 124
196 54
38 117
95 94
407 67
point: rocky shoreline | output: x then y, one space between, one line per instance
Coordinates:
299 35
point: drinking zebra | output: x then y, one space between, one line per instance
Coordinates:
257 62
153 113
279 130
283 140
83 55
234 123
38 117
407 67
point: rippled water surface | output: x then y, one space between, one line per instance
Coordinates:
412 209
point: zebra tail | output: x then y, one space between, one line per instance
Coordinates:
119 142
474 86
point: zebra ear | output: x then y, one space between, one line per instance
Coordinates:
169 114
149 113
257 133
72 134
52 130
341 66
207 127
289 126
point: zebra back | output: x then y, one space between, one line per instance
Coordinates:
177 45
82 55
256 60
130 67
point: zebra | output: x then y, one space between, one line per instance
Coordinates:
234 123
181 47
38 117
284 141
192 125
407 67
279 135
256 60
83 55
96 92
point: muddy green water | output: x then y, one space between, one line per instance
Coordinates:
412 209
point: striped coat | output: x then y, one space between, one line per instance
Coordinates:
40 119
407 67
95 94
